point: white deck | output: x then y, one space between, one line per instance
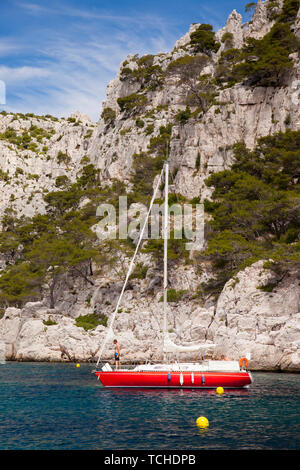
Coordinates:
208 366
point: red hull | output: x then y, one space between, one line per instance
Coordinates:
161 379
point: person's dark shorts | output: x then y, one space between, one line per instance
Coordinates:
117 357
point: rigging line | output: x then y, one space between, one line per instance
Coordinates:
166 226
130 269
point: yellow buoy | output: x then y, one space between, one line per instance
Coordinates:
220 390
77 365
202 422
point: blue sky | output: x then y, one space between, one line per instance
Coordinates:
58 56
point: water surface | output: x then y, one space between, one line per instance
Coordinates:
59 406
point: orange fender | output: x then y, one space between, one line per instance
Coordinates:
244 360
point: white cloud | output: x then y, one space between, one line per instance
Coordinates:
69 68
33 8
19 75
8 47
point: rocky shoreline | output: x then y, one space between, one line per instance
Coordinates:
131 364
245 319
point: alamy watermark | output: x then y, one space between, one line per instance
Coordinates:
185 222
2 92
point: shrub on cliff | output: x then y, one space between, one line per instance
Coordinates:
139 272
176 249
43 249
90 321
160 145
108 115
145 167
289 11
203 39
267 61
264 62
20 284
256 205
174 295
227 39
224 70
149 76
197 90
63 158
183 116
250 7
132 103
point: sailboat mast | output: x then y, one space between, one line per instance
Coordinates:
166 222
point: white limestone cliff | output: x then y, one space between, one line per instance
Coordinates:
245 318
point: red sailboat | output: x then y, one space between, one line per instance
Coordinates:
179 375
204 374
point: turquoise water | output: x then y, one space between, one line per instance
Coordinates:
57 406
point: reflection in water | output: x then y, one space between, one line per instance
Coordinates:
170 392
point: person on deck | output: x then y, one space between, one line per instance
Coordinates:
117 354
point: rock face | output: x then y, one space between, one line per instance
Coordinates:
35 150
242 114
28 338
264 323
48 148
245 319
